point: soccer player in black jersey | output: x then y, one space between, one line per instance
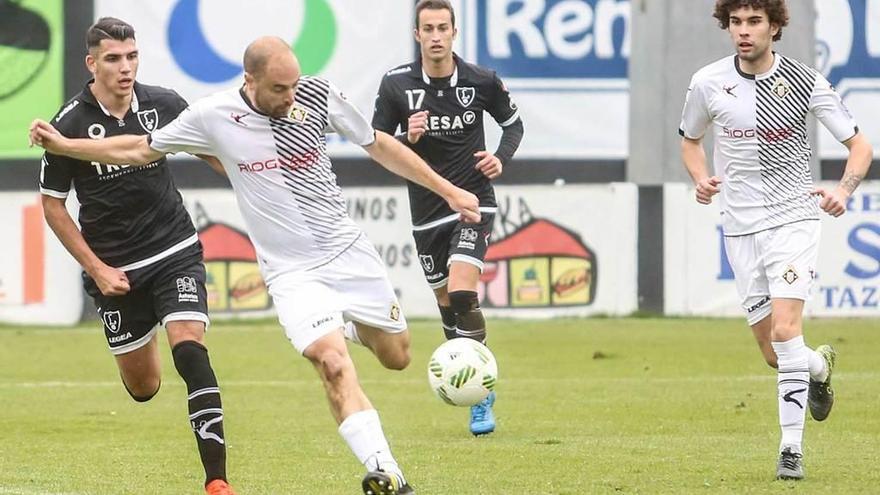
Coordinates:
140 253
438 102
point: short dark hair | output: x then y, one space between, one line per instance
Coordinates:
777 12
434 5
108 28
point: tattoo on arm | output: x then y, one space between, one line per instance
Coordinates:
850 182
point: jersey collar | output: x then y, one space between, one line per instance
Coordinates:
89 97
453 80
763 75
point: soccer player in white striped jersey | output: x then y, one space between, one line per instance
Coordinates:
325 278
756 104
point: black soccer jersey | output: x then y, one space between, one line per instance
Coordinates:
130 216
455 126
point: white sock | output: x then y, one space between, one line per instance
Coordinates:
818 367
351 333
793 384
363 433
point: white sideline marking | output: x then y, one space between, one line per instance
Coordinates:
28 491
309 382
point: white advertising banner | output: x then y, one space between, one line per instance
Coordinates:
556 56
196 47
40 282
699 280
564 62
848 54
555 251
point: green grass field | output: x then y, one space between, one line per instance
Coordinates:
584 406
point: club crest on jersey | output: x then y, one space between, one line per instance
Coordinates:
394 314
465 96
149 119
427 262
299 114
781 88
790 275
113 320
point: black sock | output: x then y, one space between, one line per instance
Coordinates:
205 409
448 317
469 318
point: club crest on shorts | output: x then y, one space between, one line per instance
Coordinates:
427 262
790 275
395 312
112 319
149 119
465 96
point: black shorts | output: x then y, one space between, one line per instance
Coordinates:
172 289
452 241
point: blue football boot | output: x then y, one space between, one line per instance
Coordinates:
482 417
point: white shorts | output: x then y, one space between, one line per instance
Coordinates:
354 286
777 263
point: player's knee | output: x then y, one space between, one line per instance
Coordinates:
398 358
332 364
143 390
463 301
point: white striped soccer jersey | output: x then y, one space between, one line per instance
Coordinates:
286 190
761 148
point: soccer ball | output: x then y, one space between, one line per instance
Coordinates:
462 372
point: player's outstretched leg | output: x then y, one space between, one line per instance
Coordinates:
821 396
203 399
359 423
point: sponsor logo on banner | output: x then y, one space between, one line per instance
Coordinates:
858 286
233 281
192 51
550 43
540 264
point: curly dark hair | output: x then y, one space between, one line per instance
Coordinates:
776 11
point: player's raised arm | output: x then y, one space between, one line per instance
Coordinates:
126 149
402 161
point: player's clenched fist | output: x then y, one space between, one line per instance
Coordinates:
832 202
43 134
416 126
706 188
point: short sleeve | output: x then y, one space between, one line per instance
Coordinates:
386 115
56 174
185 133
695 117
829 108
347 120
501 107
177 104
